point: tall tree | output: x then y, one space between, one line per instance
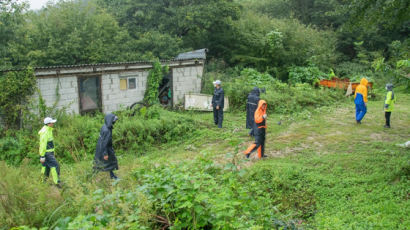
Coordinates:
75 32
11 18
200 24
372 13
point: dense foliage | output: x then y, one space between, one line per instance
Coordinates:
281 97
76 136
154 79
325 177
15 89
267 35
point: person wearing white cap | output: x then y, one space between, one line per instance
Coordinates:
46 150
218 103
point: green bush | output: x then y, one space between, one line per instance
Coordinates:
202 194
25 200
196 194
310 74
76 136
281 97
117 210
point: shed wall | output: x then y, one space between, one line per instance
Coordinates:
68 91
186 80
113 98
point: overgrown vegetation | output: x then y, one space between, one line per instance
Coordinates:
281 97
77 135
178 172
154 79
15 89
324 178
271 36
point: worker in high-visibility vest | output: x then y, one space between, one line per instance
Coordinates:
360 100
389 104
46 150
260 131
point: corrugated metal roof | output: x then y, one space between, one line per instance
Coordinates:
196 54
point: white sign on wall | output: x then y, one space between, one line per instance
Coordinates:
201 102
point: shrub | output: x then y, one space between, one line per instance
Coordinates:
76 136
281 97
25 200
117 210
15 88
201 194
310 74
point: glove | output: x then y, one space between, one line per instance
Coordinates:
42 160
386 106
264 116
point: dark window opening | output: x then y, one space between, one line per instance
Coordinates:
132 83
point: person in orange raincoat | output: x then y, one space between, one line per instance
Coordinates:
360 100
260 131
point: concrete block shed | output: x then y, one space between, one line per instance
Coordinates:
108 87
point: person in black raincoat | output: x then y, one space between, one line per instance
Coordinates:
105 159
218 103
251 106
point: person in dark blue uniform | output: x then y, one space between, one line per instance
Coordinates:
251 106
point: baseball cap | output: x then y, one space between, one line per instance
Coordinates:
49 120
217 82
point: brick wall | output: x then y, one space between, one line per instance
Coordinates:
113 98
68 90
186 80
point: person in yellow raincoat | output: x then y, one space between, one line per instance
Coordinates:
260 131
360 100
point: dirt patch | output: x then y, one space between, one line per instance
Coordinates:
376 136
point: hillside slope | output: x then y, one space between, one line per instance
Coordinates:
323 172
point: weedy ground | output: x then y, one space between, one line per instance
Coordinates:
323 171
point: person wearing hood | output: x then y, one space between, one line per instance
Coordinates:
46 150
260 131
360 100
218 103
389 104
105 159
251 106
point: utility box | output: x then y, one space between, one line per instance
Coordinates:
201 102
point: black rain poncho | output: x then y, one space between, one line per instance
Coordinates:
251 106
104 147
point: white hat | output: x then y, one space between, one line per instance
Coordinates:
49 120
217 82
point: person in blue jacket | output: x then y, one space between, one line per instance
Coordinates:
360 100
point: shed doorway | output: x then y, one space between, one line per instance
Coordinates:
165 92
89 90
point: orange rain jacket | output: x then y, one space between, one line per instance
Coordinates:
259 120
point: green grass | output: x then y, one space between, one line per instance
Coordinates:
323 172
